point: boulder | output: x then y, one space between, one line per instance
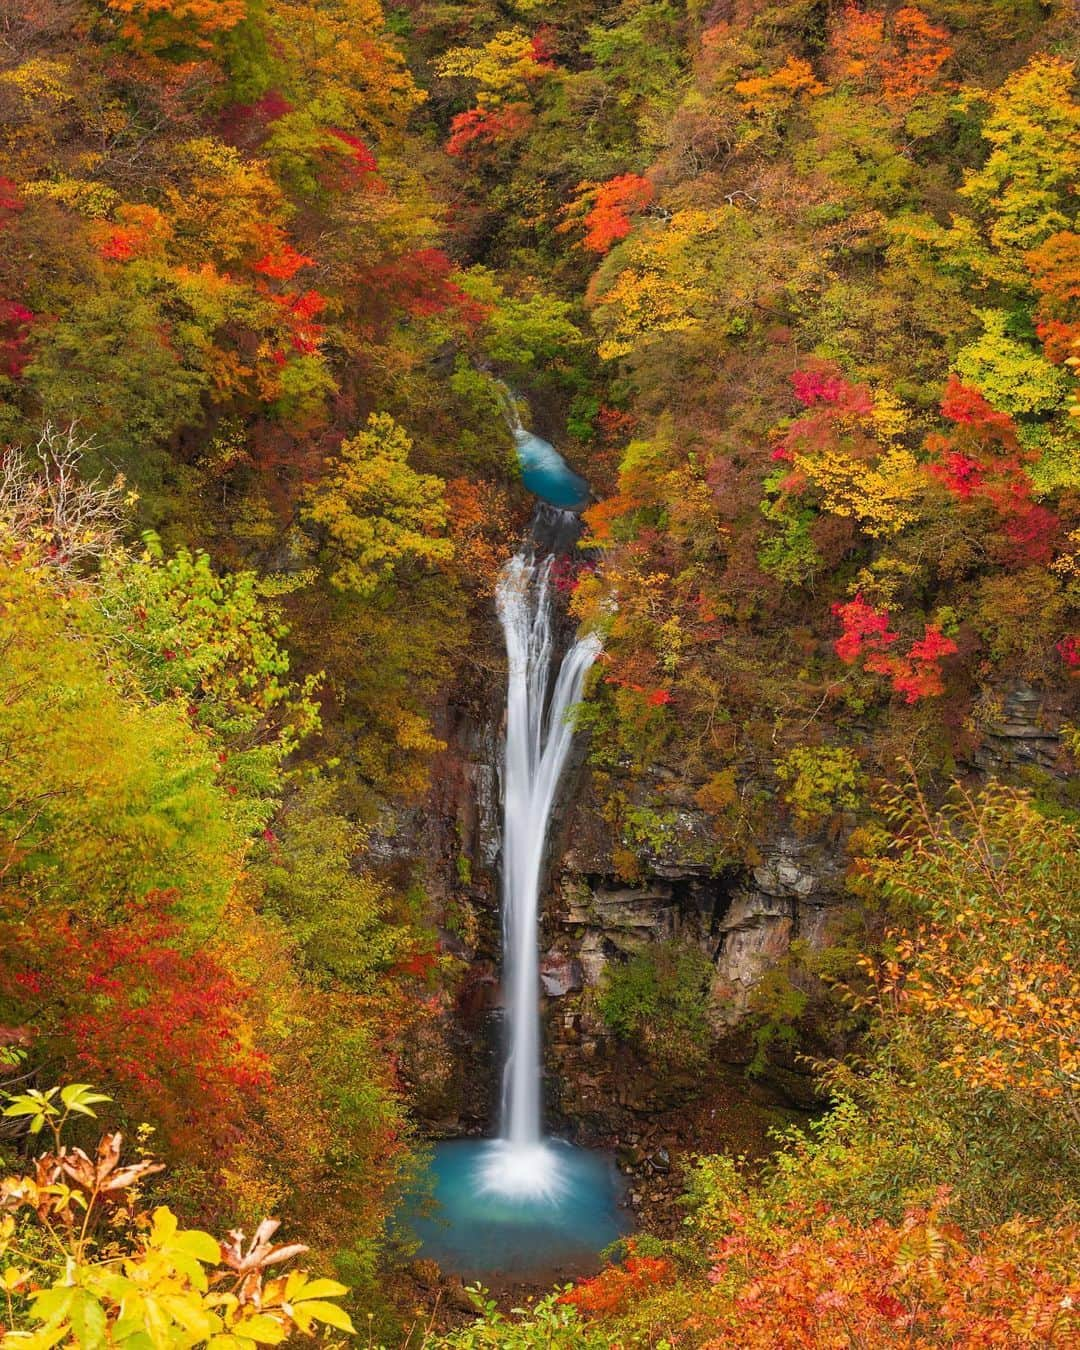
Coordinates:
560 974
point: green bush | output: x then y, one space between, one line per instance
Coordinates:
658 999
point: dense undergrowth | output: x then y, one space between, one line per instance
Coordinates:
800 281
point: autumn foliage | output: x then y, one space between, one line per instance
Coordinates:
605 210
171 1028
618 1286
866 637
822 1280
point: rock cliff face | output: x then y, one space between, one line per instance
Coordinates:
743 918
1027 735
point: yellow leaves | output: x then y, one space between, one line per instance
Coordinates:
1067 565
881 495
304 1301
1034 133
662 280
988 980
342 56
500 68
225 203
15 1278
890 417
412 731
41 80
80 194
157 1284
719 794
650 305
376 511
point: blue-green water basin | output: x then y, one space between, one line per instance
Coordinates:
547 475
477 1231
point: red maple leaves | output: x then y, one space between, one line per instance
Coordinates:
146 1009
617 1286
867 637
981 461
487 127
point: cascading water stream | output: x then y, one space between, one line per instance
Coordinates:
526 1203
538 740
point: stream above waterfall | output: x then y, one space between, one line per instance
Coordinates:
543 470
547 475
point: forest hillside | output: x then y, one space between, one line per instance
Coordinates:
794 286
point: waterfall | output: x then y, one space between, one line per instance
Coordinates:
510 410
538 740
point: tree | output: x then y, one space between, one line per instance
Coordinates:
48 507
101 798
502 68
606 209
375 511
985 969
177 26
1033 130
212 644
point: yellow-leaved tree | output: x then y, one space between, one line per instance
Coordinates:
375 511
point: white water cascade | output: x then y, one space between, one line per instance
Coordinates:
538 739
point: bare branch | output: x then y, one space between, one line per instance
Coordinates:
47 504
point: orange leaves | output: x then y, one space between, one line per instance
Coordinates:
918 674
617 1286
156 25
487 127
1009 1007
985 978
139 230
812 1280
965 404
481 522
1055 273
606 210
903 58
298 312
282 265
769 94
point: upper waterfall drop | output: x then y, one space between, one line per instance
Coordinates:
538 741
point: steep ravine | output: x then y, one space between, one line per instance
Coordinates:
600 1091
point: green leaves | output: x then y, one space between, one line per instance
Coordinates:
185 1251
306 1299
80 1097
169 1290
64 1311
41 1107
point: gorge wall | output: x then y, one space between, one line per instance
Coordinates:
743 916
